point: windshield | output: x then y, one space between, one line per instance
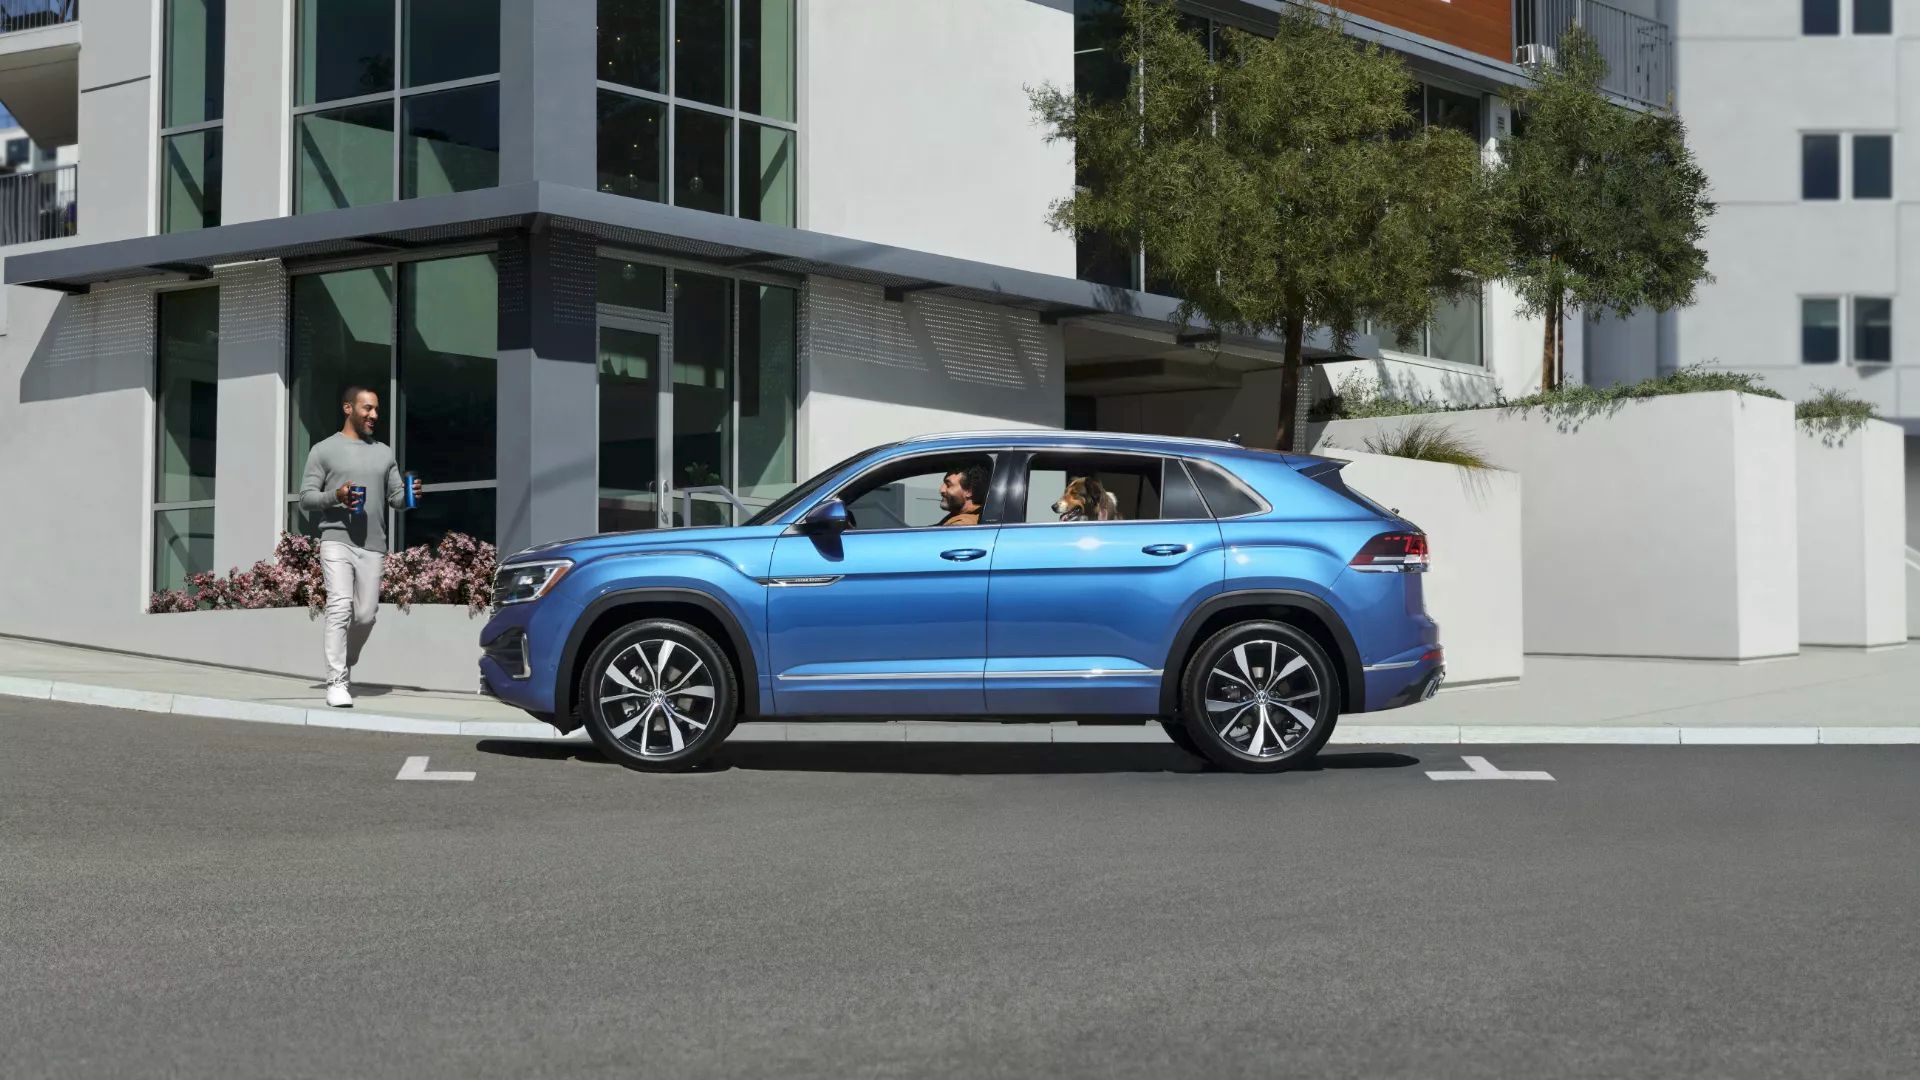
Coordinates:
805 491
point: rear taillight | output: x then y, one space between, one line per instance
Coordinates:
1393 553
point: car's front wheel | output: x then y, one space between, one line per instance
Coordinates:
1260 697
658 695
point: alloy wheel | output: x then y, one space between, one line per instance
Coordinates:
657 696
1261 698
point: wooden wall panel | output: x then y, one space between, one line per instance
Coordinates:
1482 26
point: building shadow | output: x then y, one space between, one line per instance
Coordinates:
947 759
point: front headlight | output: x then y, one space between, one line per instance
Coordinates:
517 583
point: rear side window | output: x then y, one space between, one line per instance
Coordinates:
1226 495
1179 499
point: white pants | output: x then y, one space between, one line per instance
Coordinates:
352 577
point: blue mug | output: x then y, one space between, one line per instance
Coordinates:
406 482
359 493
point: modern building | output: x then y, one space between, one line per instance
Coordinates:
1806 115
606 257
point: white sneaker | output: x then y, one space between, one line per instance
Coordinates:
338 697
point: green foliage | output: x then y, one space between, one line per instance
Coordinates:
1834 414
1428 440
1281 186
1605 207
1361 398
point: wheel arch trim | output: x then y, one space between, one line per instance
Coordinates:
563 679
1353 676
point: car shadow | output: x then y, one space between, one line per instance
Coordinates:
947 759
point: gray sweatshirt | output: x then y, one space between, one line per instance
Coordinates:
337 460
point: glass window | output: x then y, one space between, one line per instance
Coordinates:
193 61
345 158
1180 499
914 494
1820 166
472 511
629 428
703 51
632 37
1093 487
186 405
766 174
18 152
632 146
1872 330
1226 496
190 181
767 58
1819 331
1873 16
768 389
342 336
1459 112
187 394
1873 166
453 141
701 143
449 343
629 284
345 50
450 39
1820 17
1455 332
703 388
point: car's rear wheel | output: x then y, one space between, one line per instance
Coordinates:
658 696
1260 697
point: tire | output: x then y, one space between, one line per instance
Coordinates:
1177 731
623 716
1252 671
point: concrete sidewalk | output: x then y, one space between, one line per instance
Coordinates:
1837 696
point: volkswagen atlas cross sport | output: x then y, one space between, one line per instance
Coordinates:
1243 598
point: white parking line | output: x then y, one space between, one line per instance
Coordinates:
1480 769
416 769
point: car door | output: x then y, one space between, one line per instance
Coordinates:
888 616
1081 613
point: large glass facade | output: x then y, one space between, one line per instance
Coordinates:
186 406
697 104
698 389
424 72
193 71
425 335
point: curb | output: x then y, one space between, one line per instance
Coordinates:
986 731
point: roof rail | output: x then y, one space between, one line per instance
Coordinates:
1117 436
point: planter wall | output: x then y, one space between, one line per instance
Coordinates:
1472 521
1665 528
434 646
1853 561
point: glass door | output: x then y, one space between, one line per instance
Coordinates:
632 402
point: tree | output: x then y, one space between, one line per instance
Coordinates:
1283 186
1605 207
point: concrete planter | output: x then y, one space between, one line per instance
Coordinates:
1472 521
1853 572
1664 528
434 646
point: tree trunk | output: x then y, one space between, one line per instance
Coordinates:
1559 340
1290 433
1548 352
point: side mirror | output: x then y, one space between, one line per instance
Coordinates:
829 517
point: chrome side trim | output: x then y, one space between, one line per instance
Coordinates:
1094 673
878 676
800 582
1393 667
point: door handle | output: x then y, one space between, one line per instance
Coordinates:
1164 549
963 554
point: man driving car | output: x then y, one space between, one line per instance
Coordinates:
962 493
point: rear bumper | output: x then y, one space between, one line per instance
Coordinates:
1405 680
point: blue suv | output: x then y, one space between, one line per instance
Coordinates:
1244 598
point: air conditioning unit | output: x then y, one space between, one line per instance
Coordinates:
1534 55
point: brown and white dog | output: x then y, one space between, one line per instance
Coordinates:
1086 500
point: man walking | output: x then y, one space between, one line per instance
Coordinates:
346 473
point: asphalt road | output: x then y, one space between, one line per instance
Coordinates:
198 898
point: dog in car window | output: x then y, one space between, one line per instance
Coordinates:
1086 500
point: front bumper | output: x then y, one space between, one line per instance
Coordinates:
519 654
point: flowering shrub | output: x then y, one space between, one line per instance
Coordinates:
457 570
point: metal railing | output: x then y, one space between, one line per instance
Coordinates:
1638 50
39 205
29 14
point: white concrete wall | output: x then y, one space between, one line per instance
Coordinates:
117 117
873 371
1472 519
1667 528
916 129
1852 545
259 97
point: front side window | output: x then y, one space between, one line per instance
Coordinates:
436 379
395 101
1819 330
186 402
697 105
950 491
193 70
